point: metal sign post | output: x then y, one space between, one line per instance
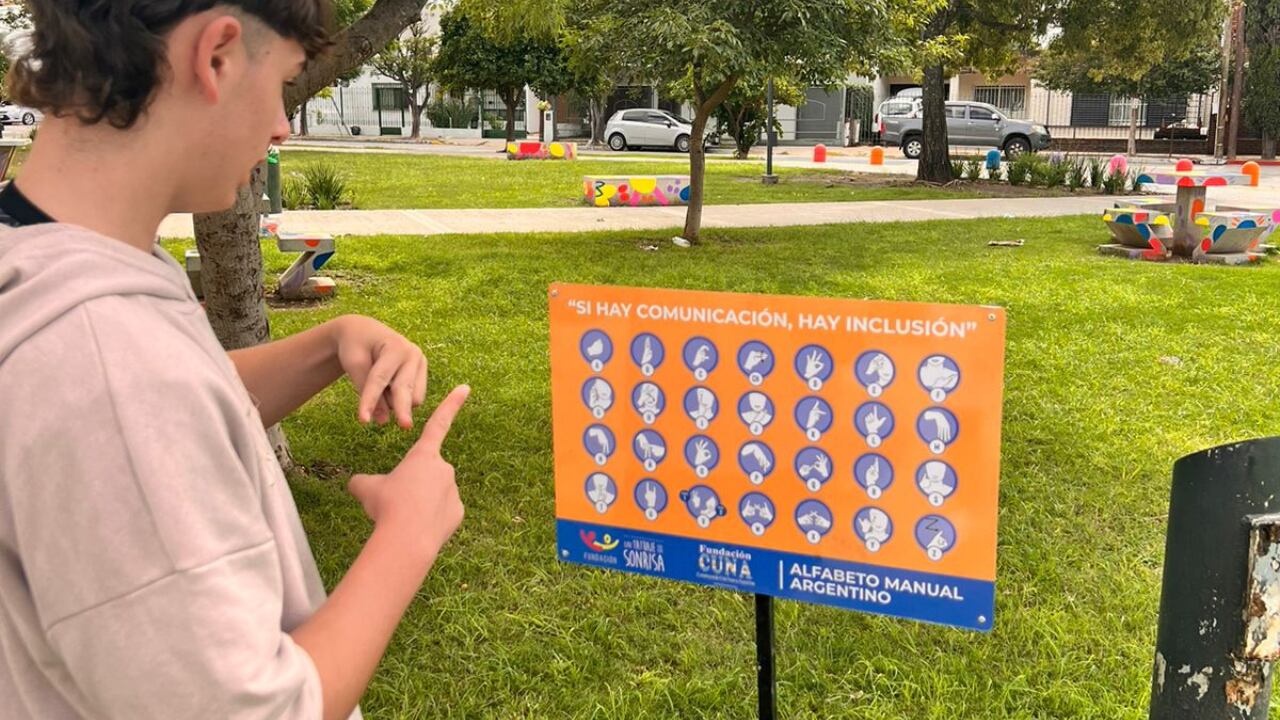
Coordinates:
766 677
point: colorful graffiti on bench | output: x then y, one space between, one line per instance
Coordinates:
1139 233
1231 237
636 191
300 282
542 151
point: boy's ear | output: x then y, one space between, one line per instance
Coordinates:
217 46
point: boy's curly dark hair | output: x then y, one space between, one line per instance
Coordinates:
103 59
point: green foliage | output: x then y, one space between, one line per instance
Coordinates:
1052 173
409 61
1097 171
448 112
1262 82
1115 183
1022 169
1134 48
324 187
1077 173
973 168
1136 185
744 115
293 192
957 169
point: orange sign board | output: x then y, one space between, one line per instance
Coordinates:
842 452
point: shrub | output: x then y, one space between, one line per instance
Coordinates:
957 169
446 112
1054 173
1097 172
973 168
324 186
1077 173
1136 185
1115 183
293 192
1023 169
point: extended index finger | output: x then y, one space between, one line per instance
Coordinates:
441 420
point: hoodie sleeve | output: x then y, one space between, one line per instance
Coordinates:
138 521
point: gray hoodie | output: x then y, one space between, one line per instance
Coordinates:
152 562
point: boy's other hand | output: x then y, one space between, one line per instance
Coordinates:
389 372
420 497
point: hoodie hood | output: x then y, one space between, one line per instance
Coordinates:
48 270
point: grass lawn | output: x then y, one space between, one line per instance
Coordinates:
387 181
1095 414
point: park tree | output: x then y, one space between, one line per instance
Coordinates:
940 37
1262 82
230 252
711 45
408 60
594 75
471 56
1134 49
744 115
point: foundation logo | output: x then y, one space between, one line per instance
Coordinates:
604 544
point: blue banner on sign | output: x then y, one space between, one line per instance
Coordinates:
941 599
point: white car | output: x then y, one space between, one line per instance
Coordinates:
648 127
11 114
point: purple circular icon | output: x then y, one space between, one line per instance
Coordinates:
701 357
875 371
648 400
813 415
647 352
650 448
601 491
873 420
756 360
935 535
939 375
651 497
703 504
814 519
702 406
814 365
597 395
874 473
813 467
756 411
757 511
702 454
596 349
599 442
938 428
873 527
756 460
937 480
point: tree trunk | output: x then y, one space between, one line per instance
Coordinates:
509 99
698 155
601 120
1133 127
232 278
302 119
935 158
415 109
1268 146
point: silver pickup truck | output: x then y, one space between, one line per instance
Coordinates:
971 124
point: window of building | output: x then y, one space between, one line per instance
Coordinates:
1009 99
389 97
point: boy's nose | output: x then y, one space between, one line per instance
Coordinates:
282 129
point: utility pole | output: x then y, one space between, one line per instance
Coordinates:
1237 83
771 137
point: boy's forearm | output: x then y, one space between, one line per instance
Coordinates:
347 636
284 374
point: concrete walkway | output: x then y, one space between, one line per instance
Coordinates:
585 219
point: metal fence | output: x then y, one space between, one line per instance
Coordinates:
383 109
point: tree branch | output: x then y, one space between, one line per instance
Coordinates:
352 47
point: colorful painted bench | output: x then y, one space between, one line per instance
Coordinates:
1230 238
527 150
1270 213
300 282
638 190
1140 233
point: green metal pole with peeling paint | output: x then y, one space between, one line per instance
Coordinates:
1219 627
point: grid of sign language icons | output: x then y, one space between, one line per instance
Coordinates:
814 415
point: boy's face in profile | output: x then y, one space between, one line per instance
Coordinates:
240 116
